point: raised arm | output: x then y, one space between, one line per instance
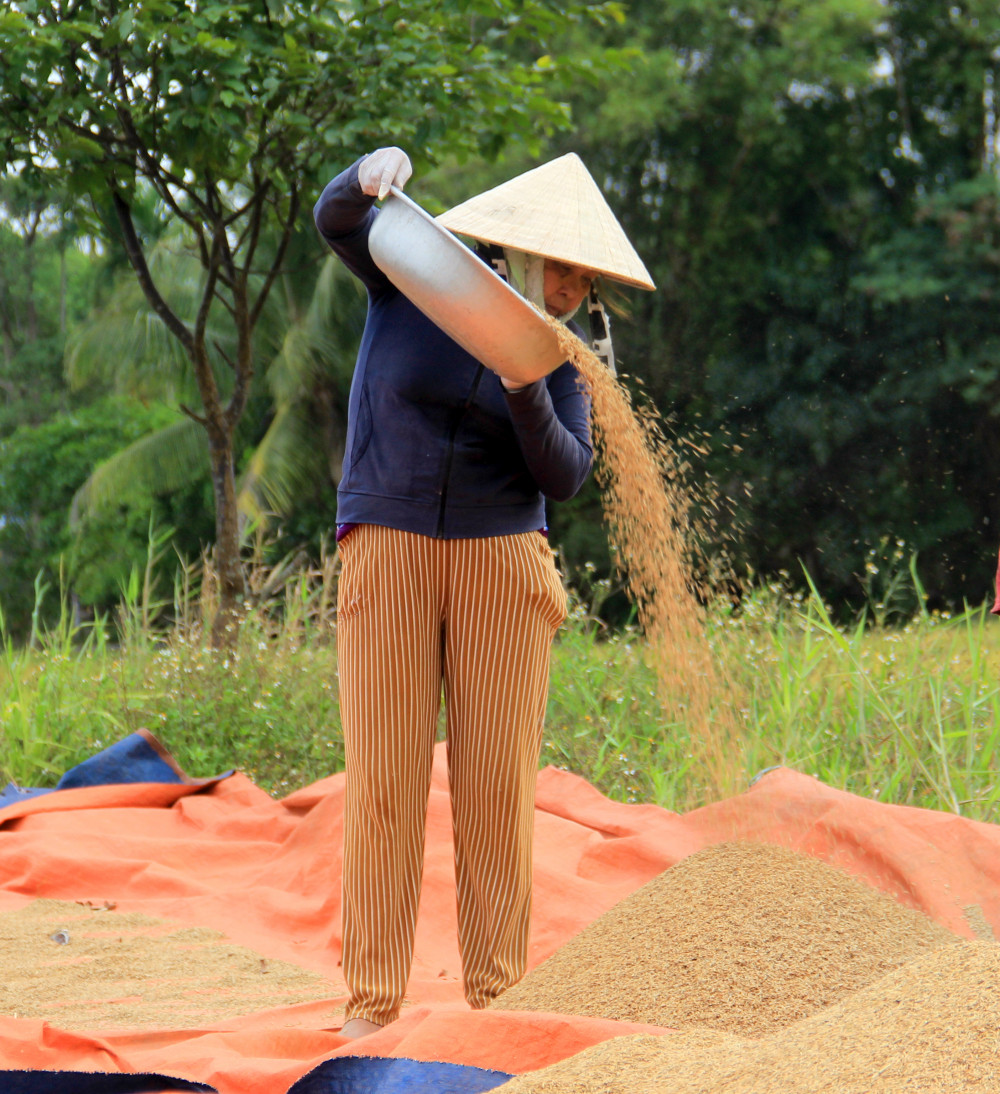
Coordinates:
345 210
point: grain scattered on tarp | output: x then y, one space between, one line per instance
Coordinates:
81 967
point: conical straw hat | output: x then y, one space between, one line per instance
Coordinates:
556 210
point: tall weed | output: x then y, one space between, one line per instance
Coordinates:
907 713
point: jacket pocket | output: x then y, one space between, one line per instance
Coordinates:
361 434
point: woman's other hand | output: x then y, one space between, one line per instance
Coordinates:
512 385
385 167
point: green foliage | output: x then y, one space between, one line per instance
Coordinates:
855 706
813 186
44 711
46 284
230 114
41 468
259 94
267 705
273 714
123 347
292 435
291 476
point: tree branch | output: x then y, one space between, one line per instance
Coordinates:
137 258
272 273
244 362
228 271
212 271
223 301
194 415
159 177
241 211
252 234
225 356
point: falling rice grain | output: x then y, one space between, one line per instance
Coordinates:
650 513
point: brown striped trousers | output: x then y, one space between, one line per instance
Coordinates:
478 616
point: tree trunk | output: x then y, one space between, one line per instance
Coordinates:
232 588
219 423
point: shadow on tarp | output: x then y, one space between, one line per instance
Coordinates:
137 758
389 1075
88 1082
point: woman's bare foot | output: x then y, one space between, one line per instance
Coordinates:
358 1027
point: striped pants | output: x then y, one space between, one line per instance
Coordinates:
478 616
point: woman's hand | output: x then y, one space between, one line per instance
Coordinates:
385 167
512 385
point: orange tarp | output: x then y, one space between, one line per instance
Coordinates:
267 873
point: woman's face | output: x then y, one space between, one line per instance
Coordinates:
564 286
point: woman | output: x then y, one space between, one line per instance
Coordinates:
447 580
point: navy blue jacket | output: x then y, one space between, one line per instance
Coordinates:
435 445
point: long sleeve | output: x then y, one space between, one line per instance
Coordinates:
552 422
431 449
344 214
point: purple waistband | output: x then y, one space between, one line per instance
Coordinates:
343 529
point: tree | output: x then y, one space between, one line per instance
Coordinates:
301 455
41 467
230 113
293 431
46 283
814 187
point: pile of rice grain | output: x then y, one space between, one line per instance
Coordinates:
744 938
930 1027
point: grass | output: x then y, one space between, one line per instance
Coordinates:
906 713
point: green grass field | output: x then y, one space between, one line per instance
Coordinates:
906 714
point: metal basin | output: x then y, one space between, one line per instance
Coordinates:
460 293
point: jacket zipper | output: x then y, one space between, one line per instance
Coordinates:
452 433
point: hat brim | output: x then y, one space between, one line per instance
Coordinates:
557 211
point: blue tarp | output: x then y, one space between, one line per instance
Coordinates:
137 758
342 1075
382 1075
86 1082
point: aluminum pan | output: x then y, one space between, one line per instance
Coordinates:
461 293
